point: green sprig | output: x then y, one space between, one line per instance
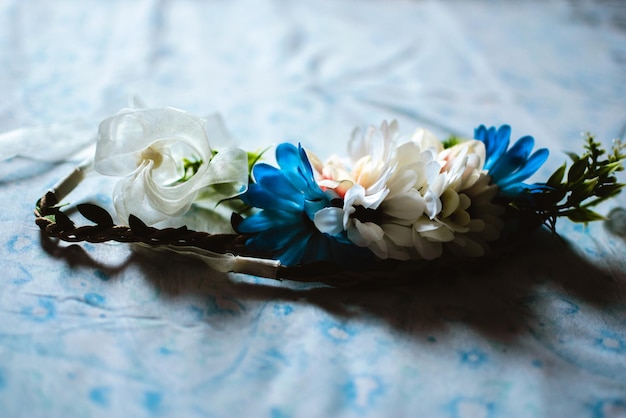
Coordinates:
590 180
190 167
253 158
451 141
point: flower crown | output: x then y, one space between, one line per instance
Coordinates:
394 201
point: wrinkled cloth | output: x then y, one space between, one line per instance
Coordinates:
101 330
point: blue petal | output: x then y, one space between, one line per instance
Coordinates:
261 169
317 250
502 140
275 238
286 243
288 196
273 179
480 133
276 184
293 255
496 142
267 219
306 170
537 187
513 159
323 247
260 197
296 167
519 189
288 158
529 168
312 189
311 207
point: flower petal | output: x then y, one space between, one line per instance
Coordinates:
228 169
442 234
260 197
329 220
528 168
513 159
426 139
123 136
364 233
409 206
399 234
496 142
275 182
295 166
265 220
450 202
427 249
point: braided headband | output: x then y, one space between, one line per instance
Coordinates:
395 202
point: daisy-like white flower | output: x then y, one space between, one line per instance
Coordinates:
363 188
446 216
428 205
380 187
485 222
386 192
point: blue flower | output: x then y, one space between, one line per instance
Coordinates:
289 198
509 168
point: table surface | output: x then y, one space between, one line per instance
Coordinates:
105 330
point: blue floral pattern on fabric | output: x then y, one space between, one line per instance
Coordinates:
550 322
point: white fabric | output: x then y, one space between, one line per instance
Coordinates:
105 330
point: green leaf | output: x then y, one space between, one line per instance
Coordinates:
582 191
583 215
608 168
608 190
138 226
577 170
63 221
451 141
550 198
96 214
573 156
254 157
557 177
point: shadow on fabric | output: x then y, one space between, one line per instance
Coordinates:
497 298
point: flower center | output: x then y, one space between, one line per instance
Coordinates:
364 214
151 154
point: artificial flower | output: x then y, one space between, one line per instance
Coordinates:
425 206
445 215
509 167
148 148
382 190
398 198
289 199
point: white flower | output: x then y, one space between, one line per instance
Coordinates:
369 158
381 192
147 148
428 206
486 219
408 198
333 220
465 162
365 186
466 217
